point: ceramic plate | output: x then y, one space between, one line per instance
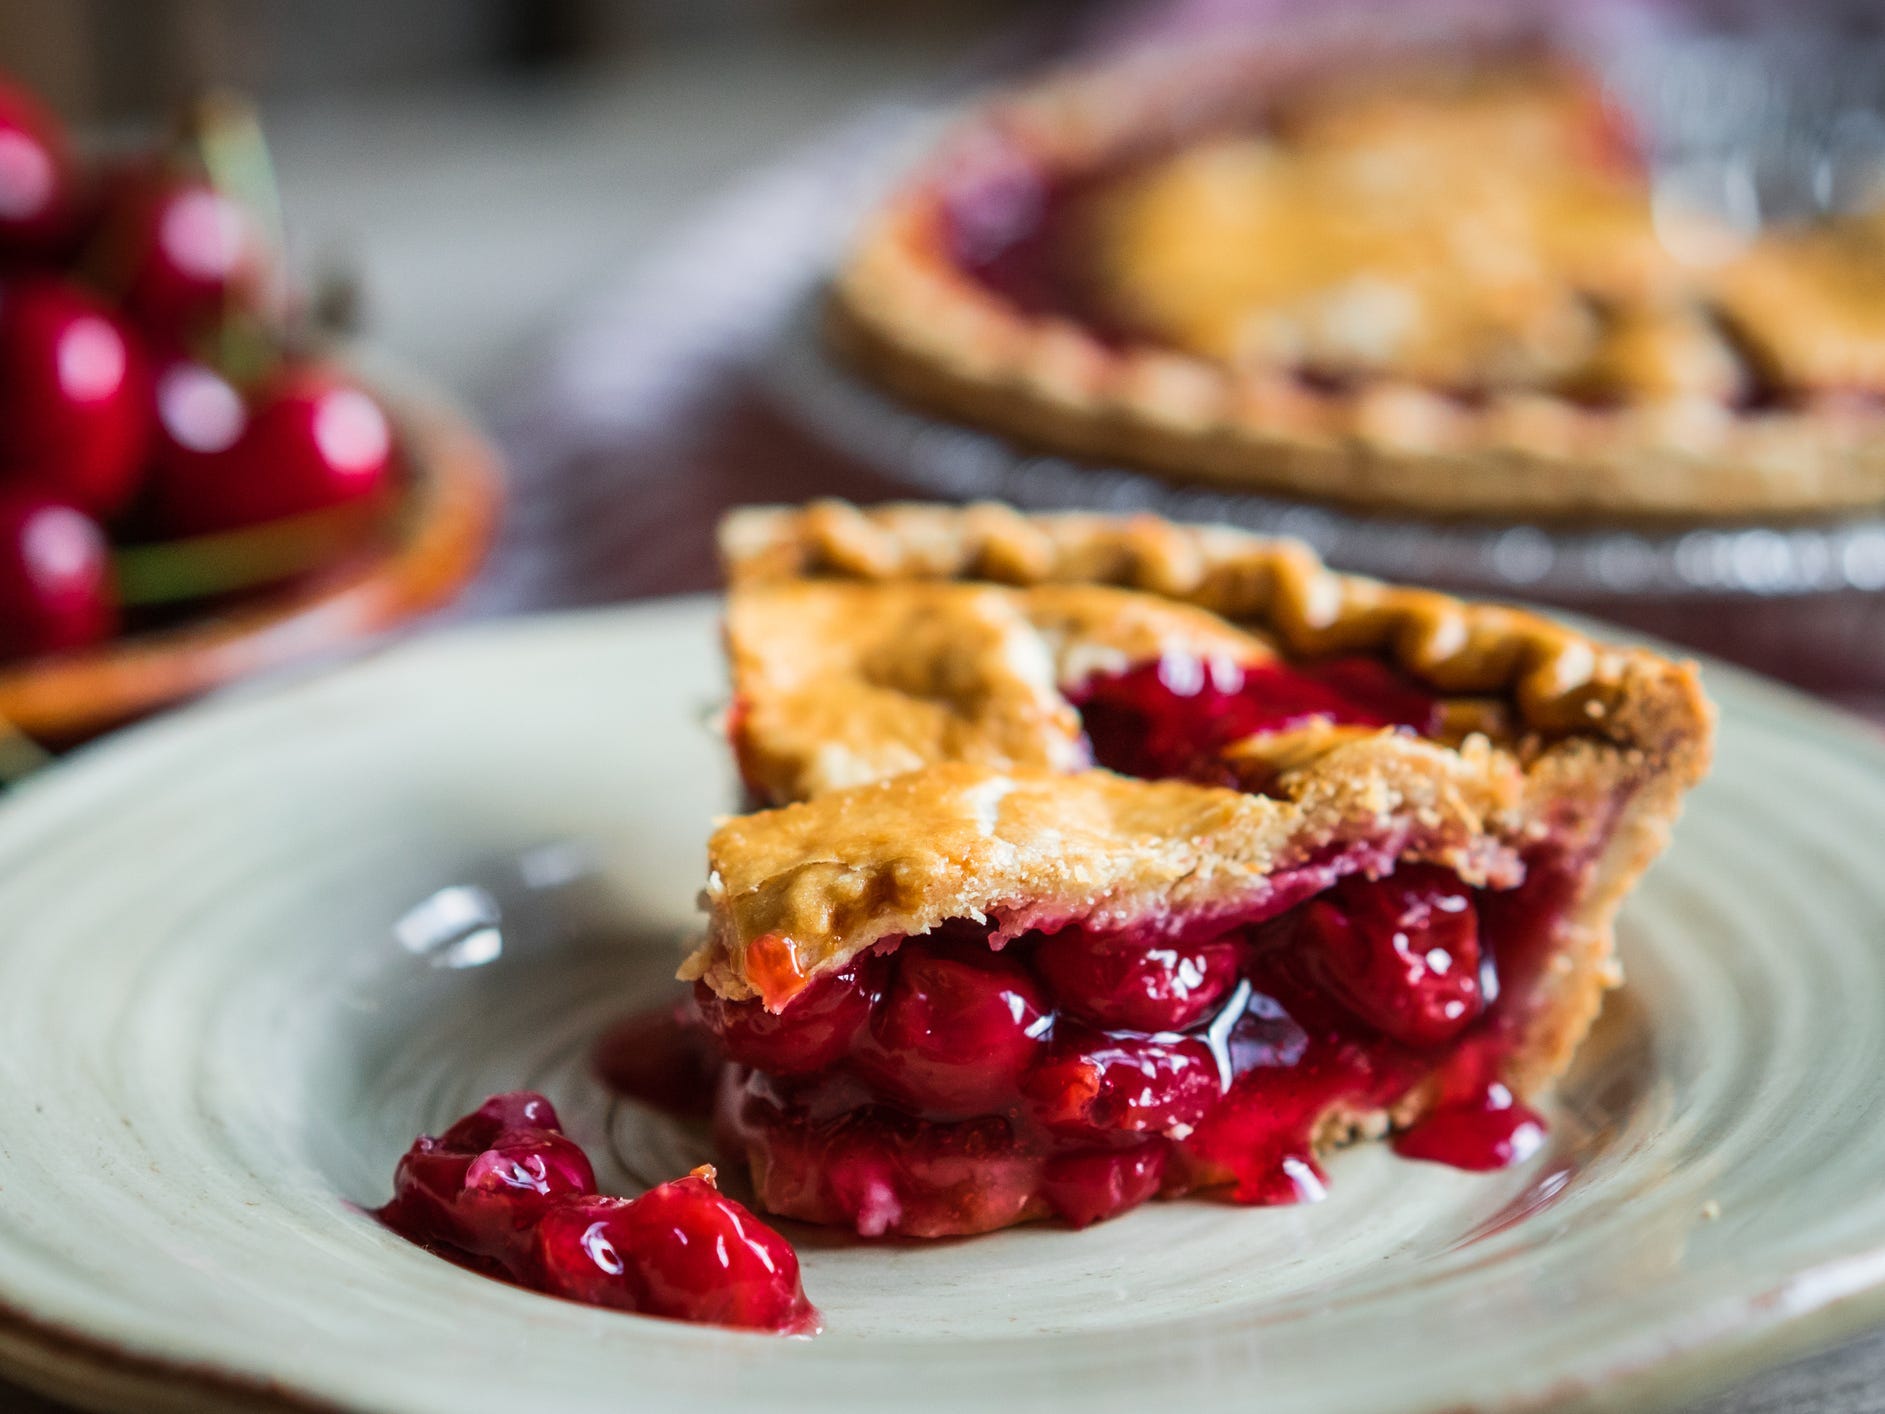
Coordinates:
250 950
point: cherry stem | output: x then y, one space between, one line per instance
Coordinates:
208 565
226 132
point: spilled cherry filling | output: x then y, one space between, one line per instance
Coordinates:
505 1192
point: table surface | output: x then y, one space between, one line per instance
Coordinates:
521 245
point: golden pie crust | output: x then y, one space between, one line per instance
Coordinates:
955 788
1458 232
1809 304
1602 378
840 684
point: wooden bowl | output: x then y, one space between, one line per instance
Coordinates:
448 511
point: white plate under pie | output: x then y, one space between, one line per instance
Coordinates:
248 951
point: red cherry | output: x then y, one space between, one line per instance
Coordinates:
55 577
1402 953
194 254
1120 982
314 441
198 413
74 414
814 1031
509 1187
957 1028
309 442
515 1109
682 1250
1086 1188
38 179
426 1185
574 1254
1134 1084
704 1257
503 1191
485 1183
525 1163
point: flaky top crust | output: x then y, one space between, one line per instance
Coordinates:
1558 681
840 683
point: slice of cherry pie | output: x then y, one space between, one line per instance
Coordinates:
1130 858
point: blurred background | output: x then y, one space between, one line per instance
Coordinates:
101 58
515 148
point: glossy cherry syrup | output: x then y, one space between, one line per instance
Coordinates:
505 1192
1488 1129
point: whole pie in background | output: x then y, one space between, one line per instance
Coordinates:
1114 858
1433 282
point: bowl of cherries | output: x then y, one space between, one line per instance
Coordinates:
194 485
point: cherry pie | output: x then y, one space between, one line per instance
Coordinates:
1412 281
1115 858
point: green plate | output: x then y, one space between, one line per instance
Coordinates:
251 949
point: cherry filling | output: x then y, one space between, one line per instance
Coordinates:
505 1192
1174 717
1020 232
938 1086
